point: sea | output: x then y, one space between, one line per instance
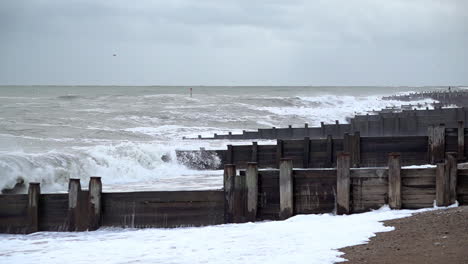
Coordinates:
49 134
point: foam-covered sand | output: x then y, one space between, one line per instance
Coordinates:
300 239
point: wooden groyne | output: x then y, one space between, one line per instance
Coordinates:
404 123
321 153
248 195
446 97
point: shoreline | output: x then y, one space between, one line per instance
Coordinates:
439 236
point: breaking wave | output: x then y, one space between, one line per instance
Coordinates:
120 163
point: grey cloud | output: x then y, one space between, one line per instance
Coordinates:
240 42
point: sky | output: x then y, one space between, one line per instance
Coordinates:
243 42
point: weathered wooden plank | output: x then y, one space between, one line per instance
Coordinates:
286 189
452 168
95 203
252 191
306 158
394 181
254 157
441 185
34 192
343 183
229 188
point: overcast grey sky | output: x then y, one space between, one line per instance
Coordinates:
244 42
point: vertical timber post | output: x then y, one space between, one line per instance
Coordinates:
394 181
306 157
252 191
95 203
254 157
441 185
229 185
230 155
279 152
74 190
34 192
343 184
286 189
329 161
452 171
356 149
436 140
461 140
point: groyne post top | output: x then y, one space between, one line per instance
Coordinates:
343 183
95 203
252 190
286 188
394 181
74 187
34 193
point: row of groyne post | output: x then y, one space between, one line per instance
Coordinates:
404 123
354 171
445 97
247 195
321 153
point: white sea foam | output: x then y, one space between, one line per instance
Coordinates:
300 239
122 163
328 108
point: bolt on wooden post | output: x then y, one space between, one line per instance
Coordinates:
343 184
286 189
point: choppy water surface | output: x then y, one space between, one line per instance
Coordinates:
49 134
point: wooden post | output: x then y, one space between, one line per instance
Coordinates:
279 151
343 184
322 129
452 170
230 155
286 189
240 199
436 140
441 185
366 131
394 181
306 125
34 193
74 217
229 185
252 190
306 157
352 145
337 128
254 152
95 203
397 125
461 140
356 149
329 161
